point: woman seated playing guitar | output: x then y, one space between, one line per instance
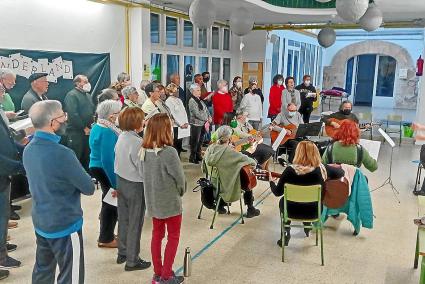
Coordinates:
306 169
243 130
346 148
228 162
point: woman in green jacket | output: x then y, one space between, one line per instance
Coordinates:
347 150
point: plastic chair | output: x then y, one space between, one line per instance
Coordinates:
302 194
365 118
214 177
421 166
394 119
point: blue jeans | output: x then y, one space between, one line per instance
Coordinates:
4 214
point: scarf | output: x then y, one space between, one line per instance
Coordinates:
110 125
302 170
198 101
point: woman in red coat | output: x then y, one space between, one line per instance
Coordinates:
222 102
275 97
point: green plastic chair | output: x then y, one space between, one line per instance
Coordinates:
302 194
214 177
395 119
365 118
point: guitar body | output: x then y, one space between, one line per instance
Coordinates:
330 130
274 134
248 178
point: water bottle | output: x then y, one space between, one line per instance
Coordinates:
187 265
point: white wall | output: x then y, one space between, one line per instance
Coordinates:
65 25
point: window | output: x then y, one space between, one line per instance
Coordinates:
202 38
226 69
349 75
156 66
302 59
154 28
188 34
215 38
203 64
296 62
215 72
189 64
289 65
172 66
312 61
275 57
283 57
226 39
171 30
386 75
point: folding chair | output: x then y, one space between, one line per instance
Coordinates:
421 166
394 119
215 179
302 194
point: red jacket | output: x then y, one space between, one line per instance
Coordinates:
222 103
275 99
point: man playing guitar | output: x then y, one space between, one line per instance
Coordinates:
344 112
288 118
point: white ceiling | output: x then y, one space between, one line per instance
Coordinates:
393 10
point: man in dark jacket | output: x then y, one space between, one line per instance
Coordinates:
308 97
344 112
37 92
10 164
56 186
80 109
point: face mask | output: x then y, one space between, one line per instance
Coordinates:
239 84
280 82
292 113
62 128
307 83
87 88
233 124
346 111
206 79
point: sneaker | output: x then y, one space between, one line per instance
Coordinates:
287 238
252 212
10 263
4 274
141 265
156 279
194 161
307 232
222 210
173 280
121 259
419 192
11 247
14 216
113 244
282 161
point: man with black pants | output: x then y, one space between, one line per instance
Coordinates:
56 186
80 109
308 97
10 164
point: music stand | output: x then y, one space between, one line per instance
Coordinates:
309 129
389 180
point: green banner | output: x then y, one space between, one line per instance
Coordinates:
62 67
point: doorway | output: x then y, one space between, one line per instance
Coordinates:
252 70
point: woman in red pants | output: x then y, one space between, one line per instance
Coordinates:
165 185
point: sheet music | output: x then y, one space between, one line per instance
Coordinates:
279 139
21 124
110 199
183 132
372 147
387 138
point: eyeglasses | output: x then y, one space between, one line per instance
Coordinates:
65 115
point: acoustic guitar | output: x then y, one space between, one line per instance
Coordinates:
274 134
245 143
248 178
332 131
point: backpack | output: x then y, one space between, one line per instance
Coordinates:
207 192
359 154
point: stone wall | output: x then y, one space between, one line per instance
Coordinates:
405 91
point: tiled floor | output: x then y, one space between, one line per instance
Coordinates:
248 253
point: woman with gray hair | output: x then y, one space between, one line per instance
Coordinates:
102 140
131 96
199 116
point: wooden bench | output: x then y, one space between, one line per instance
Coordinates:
420 241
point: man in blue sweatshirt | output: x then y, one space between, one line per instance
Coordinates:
56 181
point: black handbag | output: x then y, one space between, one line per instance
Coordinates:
207 192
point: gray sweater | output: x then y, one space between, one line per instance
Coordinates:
164 182
198 117
127 163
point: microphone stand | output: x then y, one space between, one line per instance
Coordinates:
389 180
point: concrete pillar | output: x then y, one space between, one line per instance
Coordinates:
140 46
420 109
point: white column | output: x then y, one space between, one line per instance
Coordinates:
140 44
420 108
